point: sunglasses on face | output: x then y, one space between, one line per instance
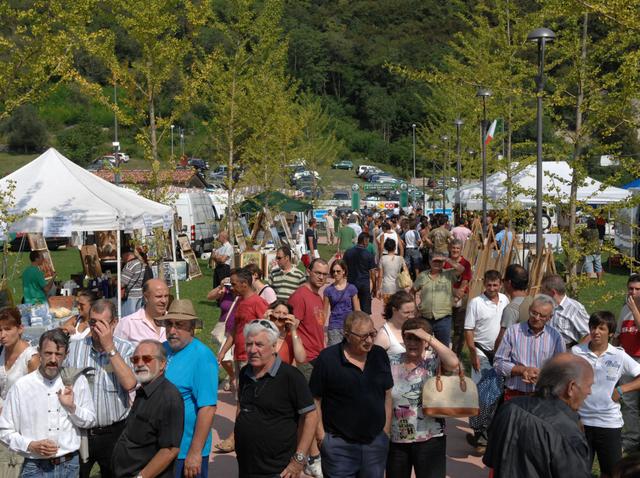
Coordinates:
146 359
179 325
337 271
265 323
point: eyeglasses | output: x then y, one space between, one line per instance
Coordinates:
146 359
537 315
321 274
370 335
265 323
178 324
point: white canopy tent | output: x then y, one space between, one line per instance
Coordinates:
75 199
555 183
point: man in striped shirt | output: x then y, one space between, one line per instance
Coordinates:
525 348
286 278
570 318
111 382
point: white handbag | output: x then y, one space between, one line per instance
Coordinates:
450 396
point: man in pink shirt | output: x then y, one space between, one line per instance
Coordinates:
461 231
141 324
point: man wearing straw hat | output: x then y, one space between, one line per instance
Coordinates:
193 369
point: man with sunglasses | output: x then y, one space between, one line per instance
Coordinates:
285 278
526 346
193 369
150 443
351 384
112 381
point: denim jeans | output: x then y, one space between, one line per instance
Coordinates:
631 418
342 459
204 468
44 469
442 329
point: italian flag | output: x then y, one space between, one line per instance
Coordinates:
491 133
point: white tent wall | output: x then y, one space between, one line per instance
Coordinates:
55 187
555 183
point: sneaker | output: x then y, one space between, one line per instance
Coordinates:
313 468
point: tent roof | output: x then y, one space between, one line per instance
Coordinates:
632 185
555 183
275 200
56 187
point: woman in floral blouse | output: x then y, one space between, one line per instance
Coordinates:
417 442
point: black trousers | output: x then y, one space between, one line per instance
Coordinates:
100 451
364 296
607 443
428 459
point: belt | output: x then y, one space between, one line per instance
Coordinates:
105 430
57 460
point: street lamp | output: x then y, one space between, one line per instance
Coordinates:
413 128
445 162
458 124
484 94
172 126
541 36
434 148
182 141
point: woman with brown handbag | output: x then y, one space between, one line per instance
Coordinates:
418 442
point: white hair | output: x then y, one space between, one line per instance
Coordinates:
544 299
254 328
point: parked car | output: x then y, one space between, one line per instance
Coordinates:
198 163
387 180
308 192
341 196
344 164
363 168
304 174
371 172
375 177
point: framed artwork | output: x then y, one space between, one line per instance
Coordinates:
90 261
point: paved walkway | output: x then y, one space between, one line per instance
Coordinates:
460 462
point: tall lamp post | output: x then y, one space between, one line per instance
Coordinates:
434 148
458 124
484 93
172 126
445 162
541 36
413 128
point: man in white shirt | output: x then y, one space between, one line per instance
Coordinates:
353 224
570 318
222 257
481 327
41 416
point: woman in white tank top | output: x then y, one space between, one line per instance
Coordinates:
400 308
17 359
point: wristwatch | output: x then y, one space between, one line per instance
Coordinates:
300 458
113 353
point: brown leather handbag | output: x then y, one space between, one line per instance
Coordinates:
450 396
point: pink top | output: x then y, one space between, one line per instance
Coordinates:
461 233
136 327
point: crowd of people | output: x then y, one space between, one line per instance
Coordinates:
318 389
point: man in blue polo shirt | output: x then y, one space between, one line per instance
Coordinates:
193 369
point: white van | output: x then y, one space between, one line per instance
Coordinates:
199 219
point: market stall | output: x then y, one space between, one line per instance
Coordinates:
61 197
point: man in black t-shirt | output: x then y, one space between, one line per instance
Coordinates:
277 417
311 239
362 271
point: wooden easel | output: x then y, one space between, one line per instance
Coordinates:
473 245
488 258
38 243
541 267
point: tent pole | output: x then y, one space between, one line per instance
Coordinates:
119 262
175 263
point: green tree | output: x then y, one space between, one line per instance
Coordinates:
26 132
82 143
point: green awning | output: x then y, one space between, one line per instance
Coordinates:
273 200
